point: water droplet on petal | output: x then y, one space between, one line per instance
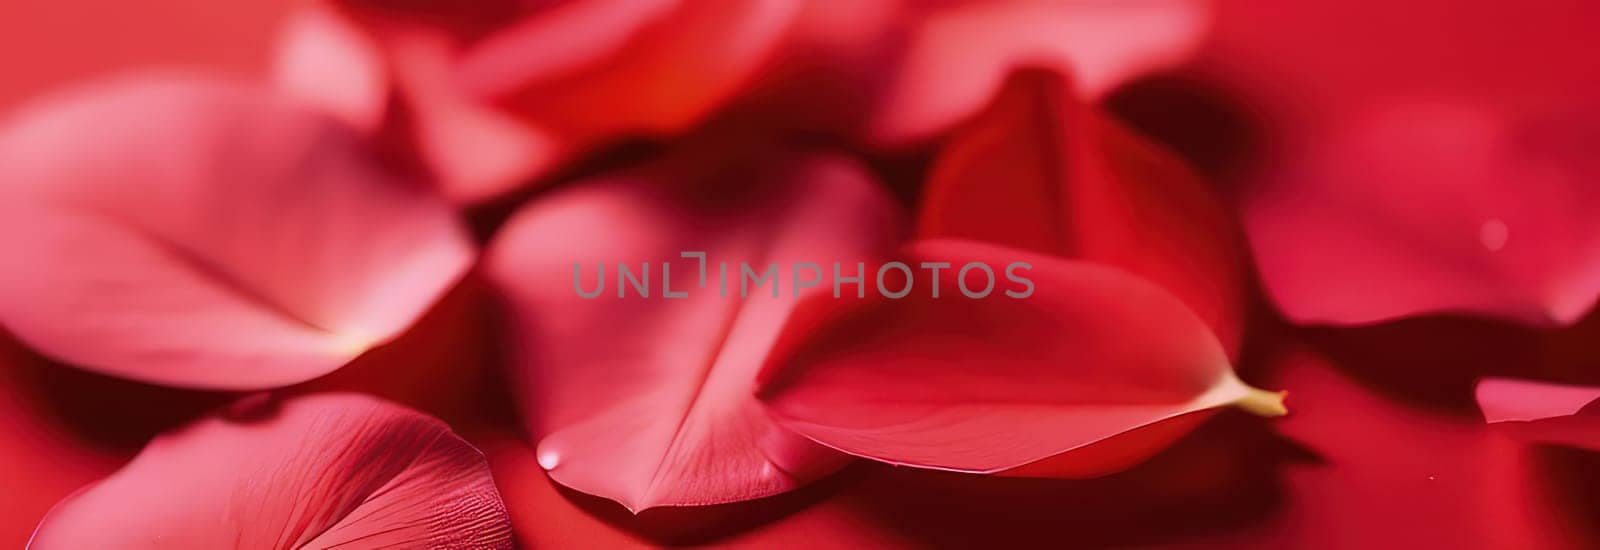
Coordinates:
549 459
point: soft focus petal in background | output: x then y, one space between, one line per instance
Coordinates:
234 240
893 73
1439 160
489 95
1043 170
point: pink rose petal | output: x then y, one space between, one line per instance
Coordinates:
679 60
322 471
1430 206
1040 385
1043 170
331 64
648 401
958 57
199 234
1542 412
1441 164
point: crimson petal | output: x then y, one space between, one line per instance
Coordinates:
1093 371
1043 170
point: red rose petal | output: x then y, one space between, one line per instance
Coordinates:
1427 207
199 234
324 60
957 57
648 400
320 471
1440 164
1043 170
677 63
1542 412
1042 385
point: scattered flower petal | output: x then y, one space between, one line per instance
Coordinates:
1079 378
1542 412
1043 170
319 472
647 399
200 234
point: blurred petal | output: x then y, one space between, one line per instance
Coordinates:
1433 207
1440 164
327 62
492 95
1541 412
1092 372
198 234
647 400
1507 400
957 57
320 472
678 61
473 151
1043 170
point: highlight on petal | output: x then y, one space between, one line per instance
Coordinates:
641 394
1431 206
200 234
333 65
1043 170
321 471
957 58
1542 412
1078 378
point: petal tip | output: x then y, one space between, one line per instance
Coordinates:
1263 403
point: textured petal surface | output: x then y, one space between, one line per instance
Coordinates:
1001 383
957 57
200 234
1042 170
648 400
323 471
